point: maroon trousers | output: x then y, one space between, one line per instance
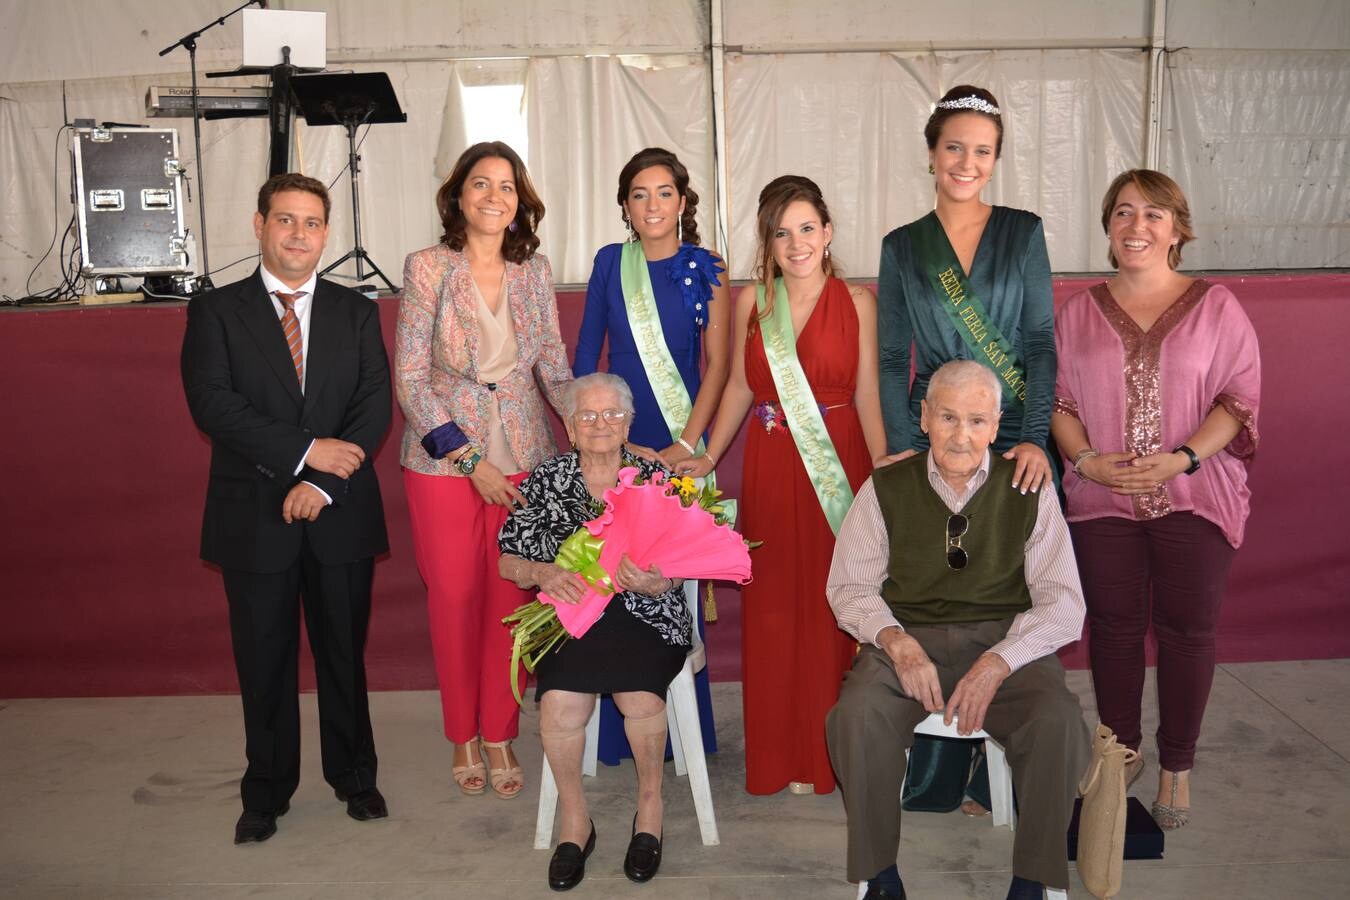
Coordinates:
1169 572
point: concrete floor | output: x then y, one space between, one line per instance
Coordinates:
126 798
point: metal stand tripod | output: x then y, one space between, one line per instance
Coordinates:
358 252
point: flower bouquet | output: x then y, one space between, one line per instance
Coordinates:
674 525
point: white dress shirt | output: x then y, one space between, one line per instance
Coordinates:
304 303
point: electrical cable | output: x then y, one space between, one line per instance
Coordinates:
158 296
235 263
51 295
348 164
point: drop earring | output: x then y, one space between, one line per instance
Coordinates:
628 223
679 229
827 251
931 171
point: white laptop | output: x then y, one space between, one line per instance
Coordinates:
266 31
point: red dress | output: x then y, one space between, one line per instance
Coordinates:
793 654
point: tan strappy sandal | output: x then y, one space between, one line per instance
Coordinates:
506 775
475 771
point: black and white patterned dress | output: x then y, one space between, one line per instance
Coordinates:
640 642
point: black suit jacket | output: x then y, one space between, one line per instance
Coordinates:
243 393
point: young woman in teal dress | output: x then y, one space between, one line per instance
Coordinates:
659 300
967 281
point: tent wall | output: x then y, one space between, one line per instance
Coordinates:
1254 118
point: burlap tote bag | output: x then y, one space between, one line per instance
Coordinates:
1101 825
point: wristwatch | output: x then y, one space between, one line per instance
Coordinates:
1195 460
468 461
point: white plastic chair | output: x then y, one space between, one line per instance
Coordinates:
1000 773
686 741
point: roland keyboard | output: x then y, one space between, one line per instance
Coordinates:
213 102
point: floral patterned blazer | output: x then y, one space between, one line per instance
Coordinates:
436 358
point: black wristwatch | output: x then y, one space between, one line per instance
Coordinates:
1195 460
468 461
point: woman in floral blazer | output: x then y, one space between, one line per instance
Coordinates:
477 340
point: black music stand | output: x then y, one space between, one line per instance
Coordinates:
350 100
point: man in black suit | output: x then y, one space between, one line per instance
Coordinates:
287 375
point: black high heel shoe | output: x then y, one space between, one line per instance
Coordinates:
568 865
643 857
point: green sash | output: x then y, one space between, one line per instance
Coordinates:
645 322
972 321
801 410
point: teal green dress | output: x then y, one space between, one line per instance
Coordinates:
1011 275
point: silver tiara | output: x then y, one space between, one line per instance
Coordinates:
978 104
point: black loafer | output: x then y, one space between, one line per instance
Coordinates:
365 805
643 857
568 865
254 827
876 893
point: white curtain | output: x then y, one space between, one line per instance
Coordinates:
1258 142
586 118
854 123
73 39
1257 137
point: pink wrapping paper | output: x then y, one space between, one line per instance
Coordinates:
655 528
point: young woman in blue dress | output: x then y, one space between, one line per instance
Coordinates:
666 312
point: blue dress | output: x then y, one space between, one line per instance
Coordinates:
682 308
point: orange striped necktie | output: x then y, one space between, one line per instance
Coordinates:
290 325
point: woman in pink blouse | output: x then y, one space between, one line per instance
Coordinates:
1155 410
477 339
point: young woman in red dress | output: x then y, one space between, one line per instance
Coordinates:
793 654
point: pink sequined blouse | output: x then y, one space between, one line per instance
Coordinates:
1148 392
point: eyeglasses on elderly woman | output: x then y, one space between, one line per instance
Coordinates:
611 416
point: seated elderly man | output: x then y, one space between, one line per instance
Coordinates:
960 590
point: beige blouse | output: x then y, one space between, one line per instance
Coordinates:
436 356
497 357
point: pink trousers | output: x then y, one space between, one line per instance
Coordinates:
455 541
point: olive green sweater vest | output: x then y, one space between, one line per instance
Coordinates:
920 588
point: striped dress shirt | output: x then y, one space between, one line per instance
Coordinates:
862 560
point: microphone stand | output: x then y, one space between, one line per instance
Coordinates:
189 43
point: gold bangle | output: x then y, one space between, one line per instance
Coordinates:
685 444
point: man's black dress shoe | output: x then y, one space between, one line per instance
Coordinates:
365 805
568 865
874 892
255 827
643 857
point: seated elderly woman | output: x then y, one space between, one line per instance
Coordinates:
635 649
